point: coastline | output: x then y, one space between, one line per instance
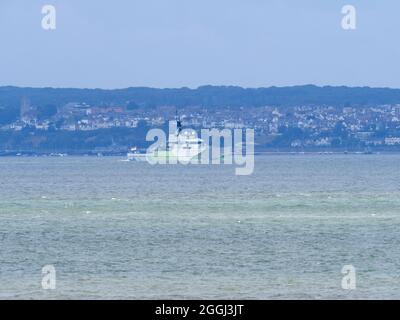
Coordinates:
256 153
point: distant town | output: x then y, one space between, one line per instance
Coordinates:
113 128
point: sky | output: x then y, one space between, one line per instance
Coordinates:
189 43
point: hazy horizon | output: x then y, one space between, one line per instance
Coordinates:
178 43
199 86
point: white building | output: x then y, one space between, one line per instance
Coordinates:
392 141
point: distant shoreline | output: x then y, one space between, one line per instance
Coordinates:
262 153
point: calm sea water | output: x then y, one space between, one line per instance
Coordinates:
127 230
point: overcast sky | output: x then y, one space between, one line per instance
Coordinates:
176 43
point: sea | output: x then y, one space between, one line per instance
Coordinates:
113 229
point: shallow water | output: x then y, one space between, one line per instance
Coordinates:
116 229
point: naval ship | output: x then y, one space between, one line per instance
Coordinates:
183 146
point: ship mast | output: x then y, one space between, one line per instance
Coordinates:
178 123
